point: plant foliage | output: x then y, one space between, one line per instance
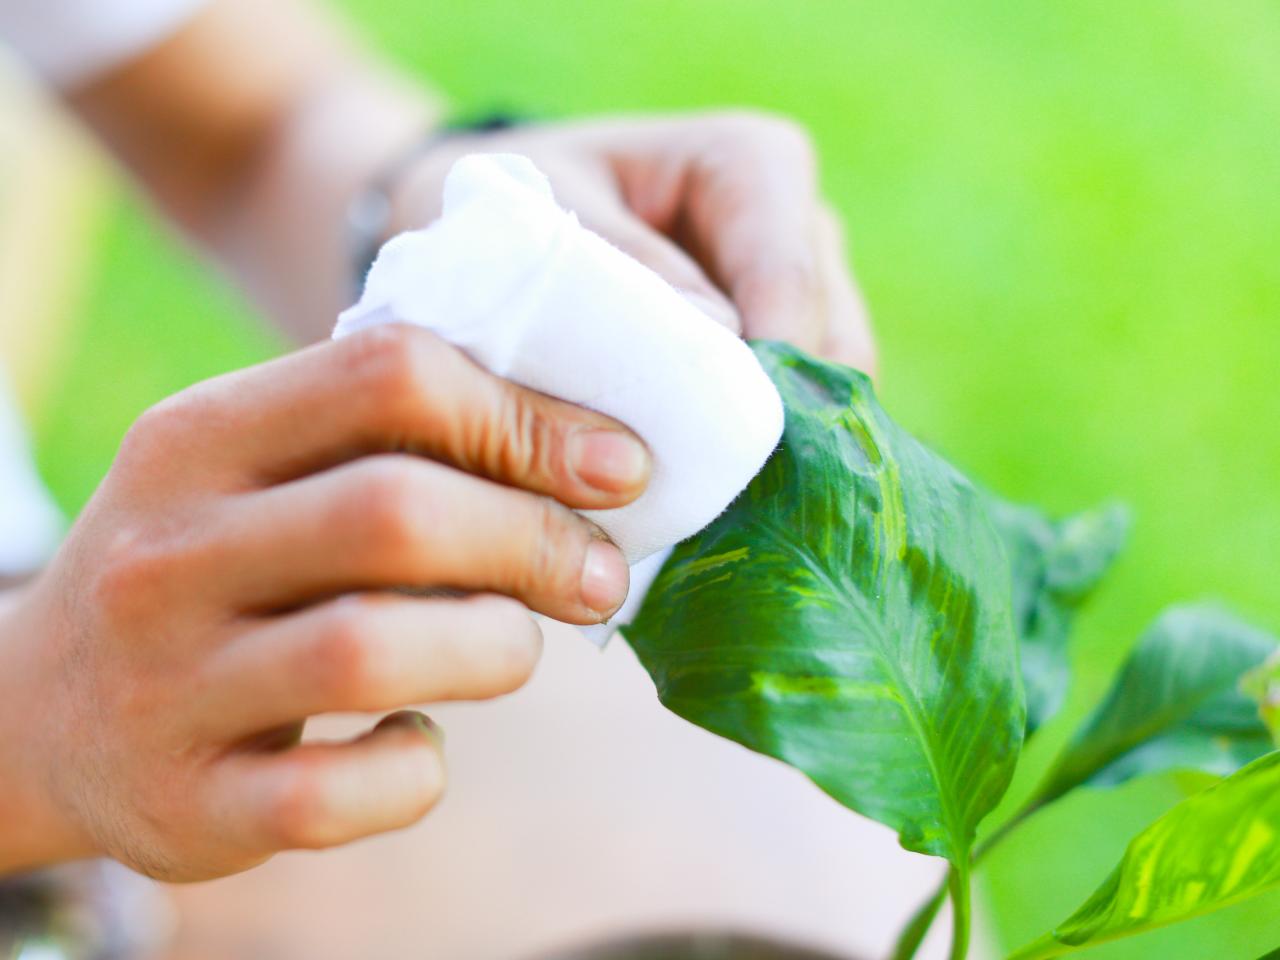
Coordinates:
1175 705
865 615
1213 849
1055 566
849 614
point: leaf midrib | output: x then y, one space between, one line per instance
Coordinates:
912 706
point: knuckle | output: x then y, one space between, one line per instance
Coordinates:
384 505
523 444
389 363
149 434
167 426
352 657
299 815
518 647
129 567
554 539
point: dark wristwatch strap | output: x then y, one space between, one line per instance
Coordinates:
369 214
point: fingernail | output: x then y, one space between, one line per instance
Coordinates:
422 722
608 460
604 579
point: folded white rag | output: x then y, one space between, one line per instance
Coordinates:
532 295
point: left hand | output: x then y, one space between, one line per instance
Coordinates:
724 206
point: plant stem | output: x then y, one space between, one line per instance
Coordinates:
1043 949
917 927
1006 828
913 934
961 909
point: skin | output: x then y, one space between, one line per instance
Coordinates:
240 568
235 572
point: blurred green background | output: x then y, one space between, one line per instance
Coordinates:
1066 219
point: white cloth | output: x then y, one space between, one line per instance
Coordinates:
68 42
533 296
30 524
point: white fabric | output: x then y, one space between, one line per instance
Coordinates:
533 296
30 525
68 42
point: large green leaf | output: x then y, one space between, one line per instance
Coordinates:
849 614
1214 849
1055 566
1176 704
1263 685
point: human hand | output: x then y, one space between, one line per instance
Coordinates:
718 204
234 575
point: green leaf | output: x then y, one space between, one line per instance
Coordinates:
1263 685
1176 705
1055 566
1215 849
849 614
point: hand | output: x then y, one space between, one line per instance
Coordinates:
236 574
722 203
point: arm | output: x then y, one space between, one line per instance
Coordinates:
255 126
252 128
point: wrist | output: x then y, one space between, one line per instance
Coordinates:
34 828
405 191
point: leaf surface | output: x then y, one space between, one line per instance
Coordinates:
1212 850
1175 705
1263 685
1055 567
849 614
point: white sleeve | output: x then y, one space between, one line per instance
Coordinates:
30 525
68 42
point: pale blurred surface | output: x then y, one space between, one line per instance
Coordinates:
578 809
50 185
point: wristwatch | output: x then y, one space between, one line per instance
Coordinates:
369 215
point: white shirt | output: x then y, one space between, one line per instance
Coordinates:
65 43
30 524
68 42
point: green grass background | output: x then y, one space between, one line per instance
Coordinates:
1067 222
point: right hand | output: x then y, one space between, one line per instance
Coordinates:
236 573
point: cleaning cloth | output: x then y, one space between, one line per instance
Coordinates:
530 294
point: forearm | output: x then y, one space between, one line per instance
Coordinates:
252 129
32 832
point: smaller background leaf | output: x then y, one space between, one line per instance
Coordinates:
1055 566
1176 705
1263 685
1214 849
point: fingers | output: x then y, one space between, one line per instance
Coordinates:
393 521
848 335
393 388
369 653
739 192
324 794
661 255
751 200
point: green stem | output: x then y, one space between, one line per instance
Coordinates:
914 932
961 909
1006 828
1043 949
917 927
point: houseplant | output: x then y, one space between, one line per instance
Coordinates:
867 615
